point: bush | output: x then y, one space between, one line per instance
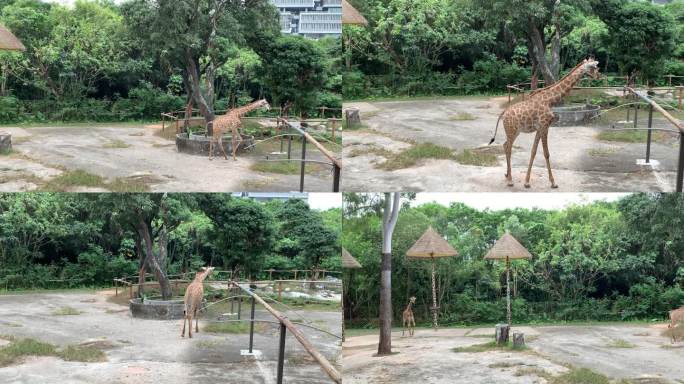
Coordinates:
10 109
492 75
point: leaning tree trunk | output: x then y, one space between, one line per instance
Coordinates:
508 291
141 267
390 215
152 260
205 108
538 53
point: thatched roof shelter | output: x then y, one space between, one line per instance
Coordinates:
350 16
9 42
431 245
348 261
508 247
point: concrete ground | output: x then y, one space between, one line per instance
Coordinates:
580 162
152 351
428 357
46 152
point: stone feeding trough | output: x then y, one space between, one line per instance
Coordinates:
157 309
575 114
199 144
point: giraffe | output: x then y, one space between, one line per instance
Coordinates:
676 317
535 115
407 317
193 299
231 121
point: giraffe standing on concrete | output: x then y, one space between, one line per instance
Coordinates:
231 122
193 300
407 317
535 115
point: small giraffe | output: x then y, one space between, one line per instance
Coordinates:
407 317
193 300
676 317
231 122
535 115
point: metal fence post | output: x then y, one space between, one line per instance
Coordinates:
239 307
303 165
648 138
281 353
636 111
251 326
289 147
680 168
336 178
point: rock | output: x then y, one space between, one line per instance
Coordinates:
518 340
5 142
353 117
501 334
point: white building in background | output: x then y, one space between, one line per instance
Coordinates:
310 18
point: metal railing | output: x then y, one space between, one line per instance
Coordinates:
677 123
285 326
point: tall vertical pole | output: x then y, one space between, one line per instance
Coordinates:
251 326
303 165
648 138
680 168
281 353
289 146
336 178
434 297
508 291
636 112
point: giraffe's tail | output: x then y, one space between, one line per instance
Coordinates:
497 128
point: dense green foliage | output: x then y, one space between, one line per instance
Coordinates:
89 239
438 47
104 61
599 261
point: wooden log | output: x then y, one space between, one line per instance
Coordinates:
501 334
518 340
353 117
5 142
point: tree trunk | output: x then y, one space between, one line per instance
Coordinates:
141 266
518 340
538 53
353 117
5 142
151 259
501 334
205 108
390 215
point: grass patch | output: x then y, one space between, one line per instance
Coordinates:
70 179
532 371
629 136
580 376
128 185
25 347
505 364
462 116
284 167
86 354
207 344
232 327
619 343
66 311
601 152
7 151
468 157
411 156
490 346
116 144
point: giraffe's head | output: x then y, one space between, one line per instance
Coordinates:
412 300
591 68
263 103
206 271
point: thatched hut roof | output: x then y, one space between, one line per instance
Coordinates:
350 16
430 245
348 261
9 42
508 247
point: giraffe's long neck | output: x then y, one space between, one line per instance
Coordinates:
200 277
248 108
408 307
555 93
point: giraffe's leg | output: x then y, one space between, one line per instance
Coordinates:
532 155
413 325
196 322
545 145
185 318
223 149
211 149
403 326
237 145
189 325
508 147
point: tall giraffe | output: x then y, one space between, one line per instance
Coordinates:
192 300
407 317
231 121
535 114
